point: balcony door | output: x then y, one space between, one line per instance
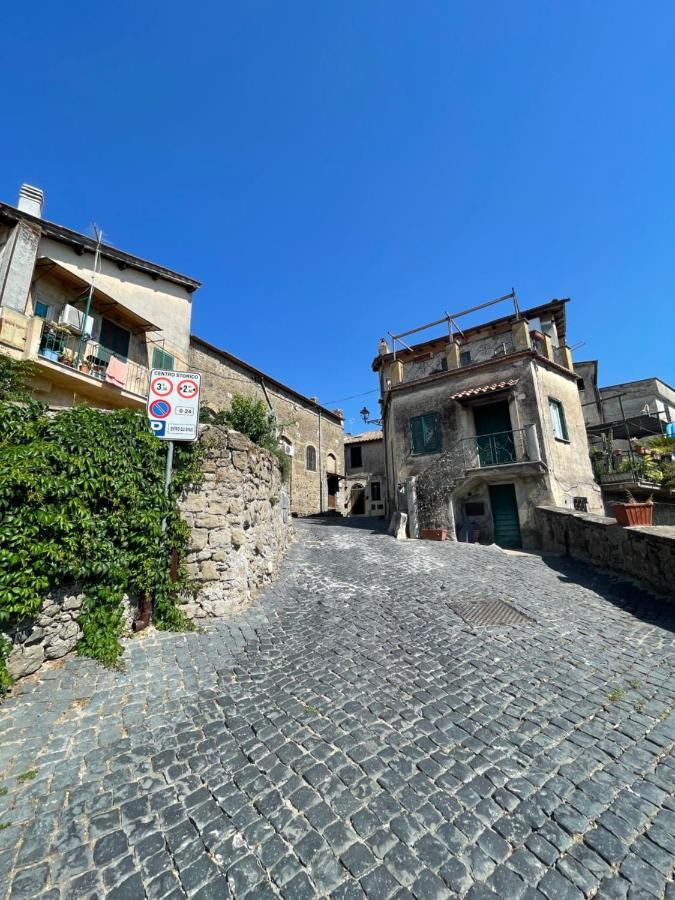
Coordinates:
494 437
114 339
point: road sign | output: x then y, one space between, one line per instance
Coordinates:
173 404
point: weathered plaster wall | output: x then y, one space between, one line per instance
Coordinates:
238 536
298 422
568 461
645 553
372 470
167 305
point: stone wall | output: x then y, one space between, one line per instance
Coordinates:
238 536
646 553
55 632
238 540
301 421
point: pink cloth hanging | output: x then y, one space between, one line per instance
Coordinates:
116 373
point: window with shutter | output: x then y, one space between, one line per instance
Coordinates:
425 434
558 423
162 360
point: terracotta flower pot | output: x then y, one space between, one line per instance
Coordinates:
434 534
633 513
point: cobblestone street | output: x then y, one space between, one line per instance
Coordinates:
351 735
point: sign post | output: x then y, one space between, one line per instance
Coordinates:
173 411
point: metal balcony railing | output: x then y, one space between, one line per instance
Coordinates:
501 448
61 347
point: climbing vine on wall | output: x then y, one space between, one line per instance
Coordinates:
81 502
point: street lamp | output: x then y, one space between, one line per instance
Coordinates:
365 414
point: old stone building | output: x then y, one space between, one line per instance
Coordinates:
138 312
365 480
310 434
483 425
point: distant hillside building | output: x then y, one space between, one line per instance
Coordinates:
310 434
365 481
139 316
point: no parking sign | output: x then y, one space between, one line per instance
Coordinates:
173 404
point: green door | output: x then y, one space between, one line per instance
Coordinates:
505 515
494 436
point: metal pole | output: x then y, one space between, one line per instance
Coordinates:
87 308
167 477
630 446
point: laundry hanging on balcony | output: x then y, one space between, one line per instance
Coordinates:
116 373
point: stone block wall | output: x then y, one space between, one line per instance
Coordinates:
645 553
238 540
238 536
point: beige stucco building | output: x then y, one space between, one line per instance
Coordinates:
483 425
139 315
310 434
365 479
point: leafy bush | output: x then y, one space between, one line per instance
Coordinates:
15 377
252 418
81 502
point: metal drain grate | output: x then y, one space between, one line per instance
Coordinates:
489 612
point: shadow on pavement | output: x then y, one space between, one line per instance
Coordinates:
363 523
617 588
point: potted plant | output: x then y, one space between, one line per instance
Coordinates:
67 356
433 534
630 512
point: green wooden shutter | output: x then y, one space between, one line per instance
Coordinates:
162 360
432 434
417 434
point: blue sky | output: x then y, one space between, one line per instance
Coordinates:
334 170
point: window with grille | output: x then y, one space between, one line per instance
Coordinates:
162 360
425 434
558 423
310 459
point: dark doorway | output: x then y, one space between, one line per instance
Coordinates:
333 488
494 435
505 515
114 338
358 500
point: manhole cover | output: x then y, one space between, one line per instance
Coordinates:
489 612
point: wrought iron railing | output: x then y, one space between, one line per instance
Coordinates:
60 346
501 448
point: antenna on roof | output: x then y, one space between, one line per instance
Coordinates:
98 234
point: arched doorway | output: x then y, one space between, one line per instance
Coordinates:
357 500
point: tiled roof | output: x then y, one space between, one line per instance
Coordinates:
364 436
484 389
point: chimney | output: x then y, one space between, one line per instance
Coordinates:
31 200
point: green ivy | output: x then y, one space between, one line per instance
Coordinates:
82 502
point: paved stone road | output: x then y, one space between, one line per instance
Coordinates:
351 735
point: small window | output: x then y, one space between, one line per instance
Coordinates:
581 504
465 358
355 457
474 509
425 434
581 385
310 459
41 309
375 491
162 360
558 422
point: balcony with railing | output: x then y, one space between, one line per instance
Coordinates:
506 448
90 362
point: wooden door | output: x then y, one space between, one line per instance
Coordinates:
505 515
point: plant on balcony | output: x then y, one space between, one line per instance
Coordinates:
631 512
67 356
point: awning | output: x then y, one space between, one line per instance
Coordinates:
484 389
102 302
